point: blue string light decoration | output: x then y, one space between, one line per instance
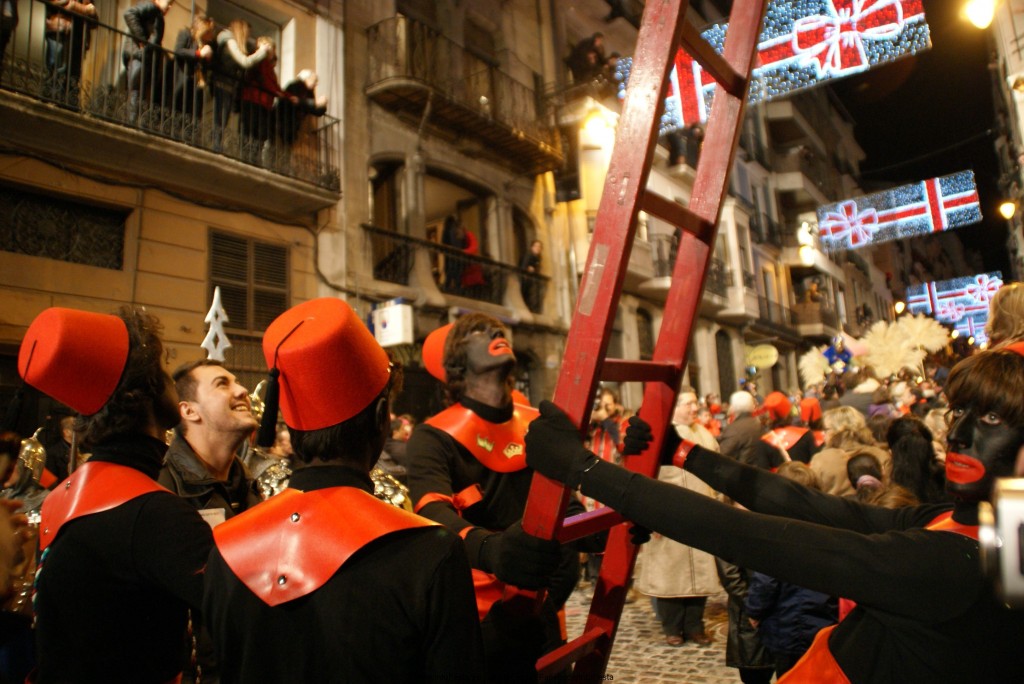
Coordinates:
928 206
962 303
803 43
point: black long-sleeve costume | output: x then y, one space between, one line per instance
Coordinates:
399 610
924 611
114 586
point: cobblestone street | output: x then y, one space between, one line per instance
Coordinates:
640 654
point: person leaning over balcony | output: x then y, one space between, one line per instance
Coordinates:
259 90
193 52
530 287
230 62
289 114
67 35
142 53
454 236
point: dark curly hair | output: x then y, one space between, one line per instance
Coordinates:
991 380
135 402
455 352
344 441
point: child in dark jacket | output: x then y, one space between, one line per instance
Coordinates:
787 617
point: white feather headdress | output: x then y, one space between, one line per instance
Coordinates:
889 351
814 366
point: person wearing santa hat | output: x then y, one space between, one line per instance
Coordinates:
122 558
467 471
324 582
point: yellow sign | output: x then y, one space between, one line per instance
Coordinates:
762 356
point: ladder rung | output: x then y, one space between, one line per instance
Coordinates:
583 524
713 63
569 653
677 215
622 370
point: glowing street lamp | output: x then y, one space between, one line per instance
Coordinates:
980 12
899 307
1007 209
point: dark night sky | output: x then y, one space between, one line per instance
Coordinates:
926 116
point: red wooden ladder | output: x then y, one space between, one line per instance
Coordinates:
663 31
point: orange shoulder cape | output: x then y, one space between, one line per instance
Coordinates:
291 544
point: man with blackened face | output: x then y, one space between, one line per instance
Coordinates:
467 471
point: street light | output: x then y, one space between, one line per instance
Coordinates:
980 12
1007 208
899 307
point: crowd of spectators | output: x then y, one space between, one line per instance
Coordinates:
874 446
216 87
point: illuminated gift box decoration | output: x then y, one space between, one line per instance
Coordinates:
960 302
928 206
803 43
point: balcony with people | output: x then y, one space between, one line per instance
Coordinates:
207 119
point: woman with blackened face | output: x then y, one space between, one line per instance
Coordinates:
986 424
925 611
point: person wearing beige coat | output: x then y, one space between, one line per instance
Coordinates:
846 434
678 577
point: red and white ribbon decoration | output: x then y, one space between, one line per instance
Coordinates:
835 41
858 226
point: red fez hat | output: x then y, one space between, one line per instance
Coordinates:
330 366
76 357
810 409
433 352
777 405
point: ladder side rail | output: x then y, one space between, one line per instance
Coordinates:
694 253
712 62
690 270
605 271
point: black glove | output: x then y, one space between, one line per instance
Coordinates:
520 559
638 436
565 578
554 447
639 535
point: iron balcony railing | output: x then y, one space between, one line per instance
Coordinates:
95 70
719 278
409 60
455 272
811 313
774 312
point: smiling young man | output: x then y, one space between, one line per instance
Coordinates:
467 471
202 464
203 468
925 612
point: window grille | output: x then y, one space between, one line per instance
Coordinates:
51 227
